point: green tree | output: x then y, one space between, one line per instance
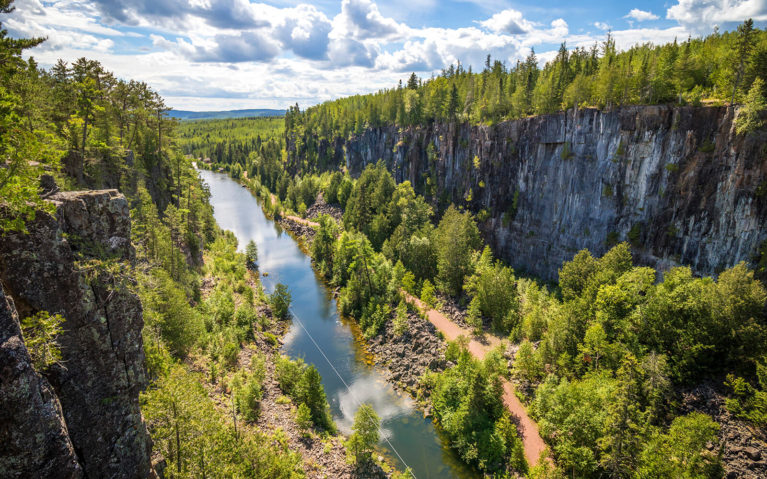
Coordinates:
455 239
682 452
309 391
304 419
743 45
251 255
400 322
279 301
749 116
363 440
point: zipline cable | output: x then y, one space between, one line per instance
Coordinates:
351 394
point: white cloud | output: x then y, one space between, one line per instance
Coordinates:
508 21
305 30
701 15
221 54
641 15
362 20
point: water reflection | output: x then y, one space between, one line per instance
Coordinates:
408 432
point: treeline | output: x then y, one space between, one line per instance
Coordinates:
231 141
718 68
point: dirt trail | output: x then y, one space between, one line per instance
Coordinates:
527 428
295 218
301 220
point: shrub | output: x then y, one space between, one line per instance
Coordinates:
304 419
400 319
279 301
427 293
40 332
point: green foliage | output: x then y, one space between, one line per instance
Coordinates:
279 301
681 452
749 116
573 417
40 331
494 287
455 239
467 401
196 439
248 390
323 245
400 322
363 440
427 294
749 402
167 311
251 255
527 366
304 385
304 419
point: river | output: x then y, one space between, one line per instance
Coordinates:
322 338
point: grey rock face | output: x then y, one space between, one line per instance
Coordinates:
675 181
98 218
34 441
102 368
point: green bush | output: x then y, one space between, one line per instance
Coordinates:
279 301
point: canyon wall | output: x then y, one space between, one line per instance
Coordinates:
81 416
678 183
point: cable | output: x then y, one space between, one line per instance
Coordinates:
380 431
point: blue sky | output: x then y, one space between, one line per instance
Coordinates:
232 54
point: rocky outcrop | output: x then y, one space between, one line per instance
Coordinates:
34 441
677 182
744 445
405 358
60 266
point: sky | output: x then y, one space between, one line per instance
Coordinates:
236 54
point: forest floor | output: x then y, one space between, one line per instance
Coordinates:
479 347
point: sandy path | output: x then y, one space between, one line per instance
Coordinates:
295 218
301 220
528 430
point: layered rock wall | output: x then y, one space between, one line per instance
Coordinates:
677 182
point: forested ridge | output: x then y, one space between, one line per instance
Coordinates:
606 357
717 69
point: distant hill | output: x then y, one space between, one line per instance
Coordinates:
211 115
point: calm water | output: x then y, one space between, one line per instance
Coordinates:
410 434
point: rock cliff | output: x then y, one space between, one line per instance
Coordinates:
676 182
75 265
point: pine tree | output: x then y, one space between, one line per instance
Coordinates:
744 45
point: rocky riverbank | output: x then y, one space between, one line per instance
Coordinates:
405 358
